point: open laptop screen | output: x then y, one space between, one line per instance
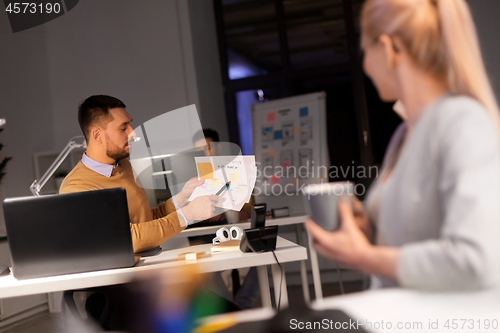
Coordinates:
68 233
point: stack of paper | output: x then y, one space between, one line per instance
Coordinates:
218 170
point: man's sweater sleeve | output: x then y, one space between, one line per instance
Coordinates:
168 207
149 234
163 209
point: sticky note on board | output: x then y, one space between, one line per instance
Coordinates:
205 170
271 153
271 116
278 135
234 177
214 182
296 130
304 112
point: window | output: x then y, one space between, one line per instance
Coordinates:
292 47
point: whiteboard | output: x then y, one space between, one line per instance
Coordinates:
290 148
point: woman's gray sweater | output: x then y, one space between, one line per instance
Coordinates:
441 204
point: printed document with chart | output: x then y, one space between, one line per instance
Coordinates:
218 170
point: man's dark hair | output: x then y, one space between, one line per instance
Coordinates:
95 109
205 134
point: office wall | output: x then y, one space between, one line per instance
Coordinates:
486 16
139 51
207 64
25 103
128 49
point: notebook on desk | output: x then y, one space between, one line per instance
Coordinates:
68 233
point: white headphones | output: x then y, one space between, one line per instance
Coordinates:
236 232
224 234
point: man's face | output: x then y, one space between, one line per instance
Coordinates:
206 146
117 134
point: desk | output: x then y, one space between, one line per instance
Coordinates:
201 231
286 251
411 307
414 309
292 220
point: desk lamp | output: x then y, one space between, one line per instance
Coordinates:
37 185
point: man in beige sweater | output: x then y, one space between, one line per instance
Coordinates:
108 131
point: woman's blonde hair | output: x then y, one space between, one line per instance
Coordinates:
441 38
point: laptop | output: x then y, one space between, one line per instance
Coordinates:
68 233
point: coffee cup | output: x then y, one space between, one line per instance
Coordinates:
321 202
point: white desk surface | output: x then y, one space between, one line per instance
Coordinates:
410 306
286 251
200 231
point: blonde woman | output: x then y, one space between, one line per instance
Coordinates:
434 213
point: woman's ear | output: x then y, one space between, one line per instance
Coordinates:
391 50
400 110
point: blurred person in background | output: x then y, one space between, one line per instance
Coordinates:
247 293
432 219
207 140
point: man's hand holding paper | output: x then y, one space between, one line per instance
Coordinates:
218 170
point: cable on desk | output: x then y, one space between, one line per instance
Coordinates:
278 301
340 279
